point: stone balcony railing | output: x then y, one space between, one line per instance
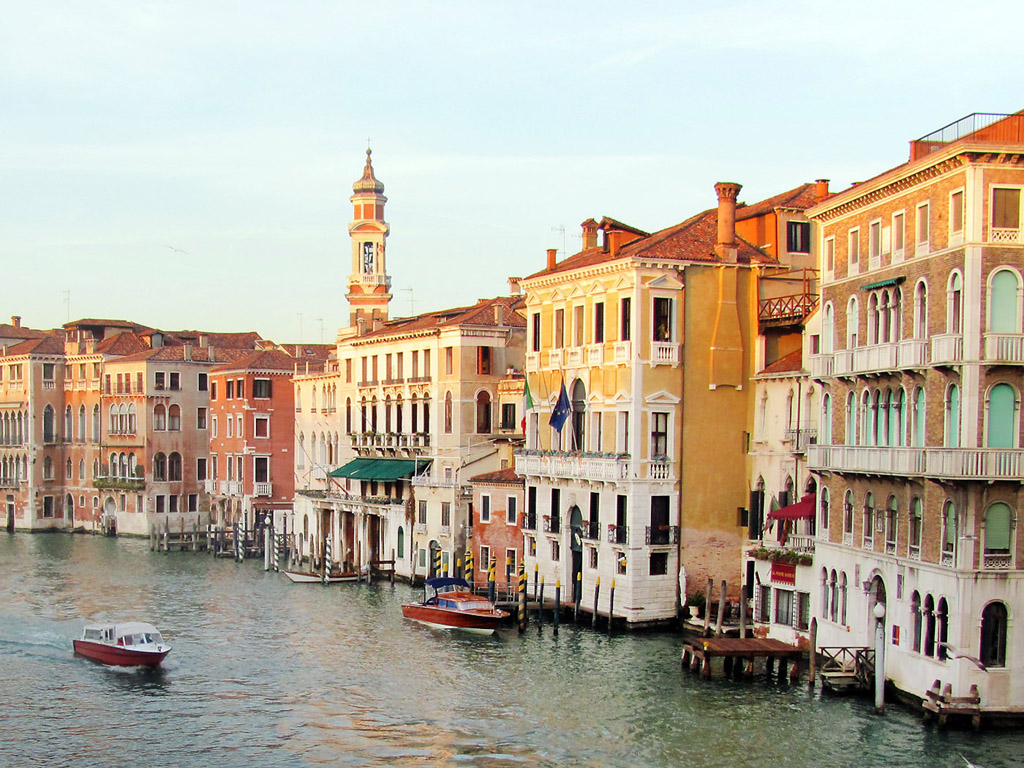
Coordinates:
947 348
665 353
573 466
262 489
1004 348
622 352
988 464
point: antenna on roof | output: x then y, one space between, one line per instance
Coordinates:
321 329
412 302
300 326
561 228
67 303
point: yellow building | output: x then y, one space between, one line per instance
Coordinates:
652 337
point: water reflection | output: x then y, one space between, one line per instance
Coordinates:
266 673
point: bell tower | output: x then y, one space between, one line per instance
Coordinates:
369 287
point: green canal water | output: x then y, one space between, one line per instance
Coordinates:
267 673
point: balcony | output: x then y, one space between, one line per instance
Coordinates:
618 534
552 524
991 561
786 308
823 365
659 469
119 483
1005 236
532 361
595 354
664 353
913 353
1004 348
986 464
573 466
262 489
574 357
591 530
210 486
49 384
662 534
799 439
622 352
427 480
947 348
445 532
529 522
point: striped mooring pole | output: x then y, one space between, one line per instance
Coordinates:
523 581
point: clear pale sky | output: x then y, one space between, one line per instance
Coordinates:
131 132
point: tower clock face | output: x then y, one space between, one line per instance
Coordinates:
367 257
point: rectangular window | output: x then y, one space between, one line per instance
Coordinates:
784 607
229 389
373 367
662 319
1005 208
172 504
422 519
200 418
159 380
231 426
213 390
535 340
240 478
922 224
193 502
830 254
853 247
388 371
485 509
49 371
556 551
415 364
875 239
449 361
623 434
659 563
241 388
764 603
261 388
803 613
511 510
798 236
558 332
201 468
261 469
426 363
625 306
213 467
485 560
898 232
599 322
577 326
238 427
262 426
659 435
174 381
508 415
348 370
204 382
483 361
956 212
400 365
511 563
592 557
161 504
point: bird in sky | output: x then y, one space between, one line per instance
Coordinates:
177 250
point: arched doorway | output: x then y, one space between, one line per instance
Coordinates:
576 530
876 595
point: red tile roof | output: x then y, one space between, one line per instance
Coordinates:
505 476
47 345
800 198
791 363
19 332
177 354
482 313
122 344
268 360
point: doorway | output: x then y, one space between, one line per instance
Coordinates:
576 529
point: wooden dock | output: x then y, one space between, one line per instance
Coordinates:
738 655
943 705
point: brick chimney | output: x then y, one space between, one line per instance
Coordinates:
820 189
514 289
727 192
613 240
552 257
16 321
186 352
589 228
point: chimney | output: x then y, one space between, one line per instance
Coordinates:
514 289
203 339
360 326
497 314
209 352
820 189
16 321
613 240
726 245
552 257
186 352
589 233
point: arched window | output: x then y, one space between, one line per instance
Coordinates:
312 449
426 414
81 469
1001 417
159 418
843 595
824 593
69 505
993 635
300 458
69 427
1004 314
362 414
160 467
919 423
401 542
826 420
949 533
373 413
398 414
897 417
48 468
96 423
882 402
929 626
828 330
896 315
174 418
848 514
915 620
81 424
851 419
891 520
998 533
114 466
579 410
955 304
348 415
921 310
387 413
868 413
872 318
952 420
448 413
49 427
942 628
833 584
852 323
132 419
483 413
414 411
69 470
869 519
133 467
823 516
914 532
174 467
123 465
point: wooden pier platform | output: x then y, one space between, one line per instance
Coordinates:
738 655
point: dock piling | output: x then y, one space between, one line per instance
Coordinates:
611 606
558 603
721 611
597 593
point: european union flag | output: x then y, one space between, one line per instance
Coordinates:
561 411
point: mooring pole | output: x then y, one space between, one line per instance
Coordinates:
558 602
597 594
540 605
611 606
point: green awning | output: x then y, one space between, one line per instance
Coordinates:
381 469
884 283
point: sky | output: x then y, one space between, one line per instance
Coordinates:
187 164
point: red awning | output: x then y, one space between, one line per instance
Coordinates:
802 510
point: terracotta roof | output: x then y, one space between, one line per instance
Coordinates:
243 340
177 354
481 313
47 345
19 332
801 197
267 360
691 240
791 363
92 321
505 476
121 344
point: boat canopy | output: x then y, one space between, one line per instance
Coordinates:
441 582
381 469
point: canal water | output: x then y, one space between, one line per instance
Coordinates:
267 673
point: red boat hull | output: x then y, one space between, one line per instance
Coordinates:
445 618
117 656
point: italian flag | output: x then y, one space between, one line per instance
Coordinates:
527 402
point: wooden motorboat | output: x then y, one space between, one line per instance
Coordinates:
449 603
334 577
131 644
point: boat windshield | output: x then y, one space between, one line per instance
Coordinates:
474 605
92 634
